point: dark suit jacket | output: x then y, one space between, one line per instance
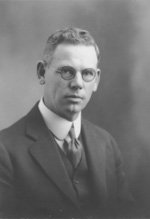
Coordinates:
33 178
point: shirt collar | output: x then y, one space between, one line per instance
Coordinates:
58 125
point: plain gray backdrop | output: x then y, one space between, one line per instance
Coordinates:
121 105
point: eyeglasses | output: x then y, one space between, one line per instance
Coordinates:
68 73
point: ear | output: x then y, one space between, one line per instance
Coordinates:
97 80
40 69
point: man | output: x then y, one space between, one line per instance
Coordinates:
53 163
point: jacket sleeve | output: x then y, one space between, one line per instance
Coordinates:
7 197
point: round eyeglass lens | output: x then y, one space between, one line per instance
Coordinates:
88 74
67 72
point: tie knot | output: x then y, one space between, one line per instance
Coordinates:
71 135
72 132
72 148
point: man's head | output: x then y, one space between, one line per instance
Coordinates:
69 71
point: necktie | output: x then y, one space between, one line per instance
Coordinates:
73 148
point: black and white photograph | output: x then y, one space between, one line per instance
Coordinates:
74 109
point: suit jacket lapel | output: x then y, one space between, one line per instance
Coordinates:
45 151
95 154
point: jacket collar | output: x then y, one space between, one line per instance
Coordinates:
45 151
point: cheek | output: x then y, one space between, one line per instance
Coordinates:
89 91
58 89
52 85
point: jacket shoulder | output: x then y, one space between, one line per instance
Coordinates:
101 135
15 128
10 135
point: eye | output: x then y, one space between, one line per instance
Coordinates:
67 72
89 72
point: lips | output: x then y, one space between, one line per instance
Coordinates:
74 98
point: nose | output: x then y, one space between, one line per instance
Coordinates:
77 81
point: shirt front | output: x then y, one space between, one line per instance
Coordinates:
59 126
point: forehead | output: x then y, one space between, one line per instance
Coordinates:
75 53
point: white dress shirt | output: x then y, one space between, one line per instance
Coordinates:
58 125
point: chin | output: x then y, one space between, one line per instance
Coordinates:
71 115
75 108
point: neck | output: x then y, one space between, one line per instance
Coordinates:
70 117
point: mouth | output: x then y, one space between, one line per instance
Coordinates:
74 98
